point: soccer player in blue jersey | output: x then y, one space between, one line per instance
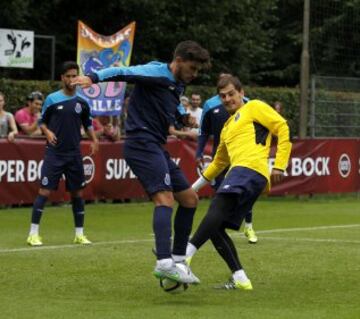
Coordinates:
153 108
244 145
63 114
212 121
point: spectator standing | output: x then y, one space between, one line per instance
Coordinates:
7 122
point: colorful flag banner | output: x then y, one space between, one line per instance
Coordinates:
96 52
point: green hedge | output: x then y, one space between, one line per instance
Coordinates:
16 92
289 97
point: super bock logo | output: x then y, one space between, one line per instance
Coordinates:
344 165
89 169
78 108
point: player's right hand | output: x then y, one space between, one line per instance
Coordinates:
82 80
200 163
51 137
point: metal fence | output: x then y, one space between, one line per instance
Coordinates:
335 107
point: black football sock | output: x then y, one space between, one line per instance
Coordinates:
182 228
38 208
78 209
248 217
162 231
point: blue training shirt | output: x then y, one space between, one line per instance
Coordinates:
213 118
64 115
154 102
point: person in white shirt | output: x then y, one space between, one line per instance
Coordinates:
195 110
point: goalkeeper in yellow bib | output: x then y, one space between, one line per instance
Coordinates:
244 146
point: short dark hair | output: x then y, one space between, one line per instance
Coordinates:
227 79
192 51
36 95
69 65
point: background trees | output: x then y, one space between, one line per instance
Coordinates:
260 40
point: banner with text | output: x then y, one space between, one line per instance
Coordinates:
316 166
96 52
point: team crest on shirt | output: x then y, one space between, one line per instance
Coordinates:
45 181
167 179
78 108
237 116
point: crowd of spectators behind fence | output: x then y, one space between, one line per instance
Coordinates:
110 128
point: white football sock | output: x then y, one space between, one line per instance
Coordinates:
240 275
178 258
34 229
190 250
79 231
165 263
248 225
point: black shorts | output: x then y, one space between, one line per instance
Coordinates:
248 184
153 167
56 165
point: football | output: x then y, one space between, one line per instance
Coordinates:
172 286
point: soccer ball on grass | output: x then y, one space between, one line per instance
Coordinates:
172 286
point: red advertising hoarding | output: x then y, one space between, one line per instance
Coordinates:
316 166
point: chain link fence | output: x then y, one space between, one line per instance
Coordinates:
335 107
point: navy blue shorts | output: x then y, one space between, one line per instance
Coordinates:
248 184
56 165
154 167
216 182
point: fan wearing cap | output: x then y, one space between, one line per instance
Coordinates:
28 116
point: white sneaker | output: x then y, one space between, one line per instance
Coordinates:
186 267
176 273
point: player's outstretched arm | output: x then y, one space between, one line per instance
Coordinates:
82 80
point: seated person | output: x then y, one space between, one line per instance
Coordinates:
27 117
8 127
107 127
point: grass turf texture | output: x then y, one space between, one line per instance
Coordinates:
297 271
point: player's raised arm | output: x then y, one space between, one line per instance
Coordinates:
82 80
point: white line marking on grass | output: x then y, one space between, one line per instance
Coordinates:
340 241
53 247
134 241
283 230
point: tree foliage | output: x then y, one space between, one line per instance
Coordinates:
259 40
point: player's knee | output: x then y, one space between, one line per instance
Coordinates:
190 199
44 192
163 199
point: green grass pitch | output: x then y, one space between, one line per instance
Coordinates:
305 265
